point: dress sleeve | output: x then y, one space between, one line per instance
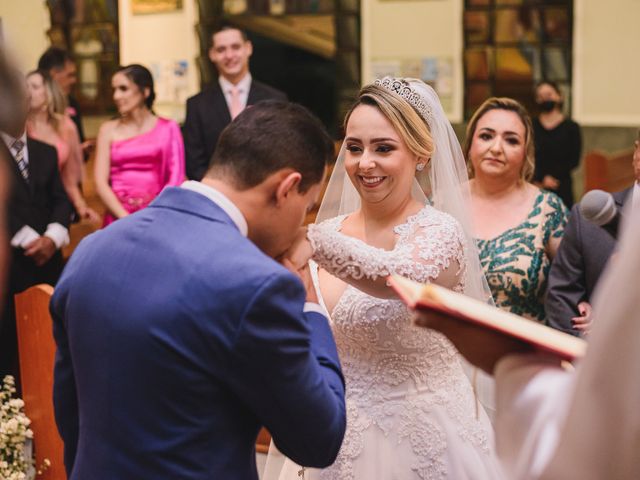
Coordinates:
430 248
174 156
555 219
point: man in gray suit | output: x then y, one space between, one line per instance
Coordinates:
581 258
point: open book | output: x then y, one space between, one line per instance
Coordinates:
456 305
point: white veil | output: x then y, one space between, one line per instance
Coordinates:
444 184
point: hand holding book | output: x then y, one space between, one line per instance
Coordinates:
482 333
480 346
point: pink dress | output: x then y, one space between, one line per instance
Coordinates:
63 145
142 166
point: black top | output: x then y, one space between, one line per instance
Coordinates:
557 153
207 116
75 116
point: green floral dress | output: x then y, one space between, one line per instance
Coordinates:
516 263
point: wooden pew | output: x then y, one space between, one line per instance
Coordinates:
37 349
610 173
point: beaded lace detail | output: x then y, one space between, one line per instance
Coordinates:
427 243
398 375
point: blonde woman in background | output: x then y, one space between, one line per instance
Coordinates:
48 123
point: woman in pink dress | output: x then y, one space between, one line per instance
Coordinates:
137 154
49 123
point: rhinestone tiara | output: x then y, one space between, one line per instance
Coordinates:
413 98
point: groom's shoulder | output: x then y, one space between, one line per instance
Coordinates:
247 261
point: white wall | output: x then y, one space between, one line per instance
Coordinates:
160 39
24 27
606 65
412 29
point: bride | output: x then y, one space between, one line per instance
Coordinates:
411 410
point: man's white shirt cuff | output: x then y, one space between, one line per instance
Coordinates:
24 237
315 307
59 235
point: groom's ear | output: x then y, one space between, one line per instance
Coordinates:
288 185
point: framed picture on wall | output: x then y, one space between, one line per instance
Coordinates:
142 7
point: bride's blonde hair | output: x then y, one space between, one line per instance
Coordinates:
411 127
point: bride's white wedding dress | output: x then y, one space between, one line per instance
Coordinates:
411 410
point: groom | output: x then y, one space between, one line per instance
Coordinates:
178 334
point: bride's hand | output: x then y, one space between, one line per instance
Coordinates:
300 251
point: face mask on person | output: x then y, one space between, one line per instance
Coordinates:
548 105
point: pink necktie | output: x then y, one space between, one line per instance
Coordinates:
236 105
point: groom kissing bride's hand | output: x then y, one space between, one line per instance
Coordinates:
304 274
300 251
191 337
296 259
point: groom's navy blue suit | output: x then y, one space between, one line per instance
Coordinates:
177 339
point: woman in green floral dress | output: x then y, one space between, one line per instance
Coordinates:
518 227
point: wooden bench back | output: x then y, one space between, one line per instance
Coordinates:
610 173
37 352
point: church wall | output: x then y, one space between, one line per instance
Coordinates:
606 68
411 35
165 43
24 29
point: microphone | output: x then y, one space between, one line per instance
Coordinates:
599 208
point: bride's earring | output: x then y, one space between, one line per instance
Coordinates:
420 167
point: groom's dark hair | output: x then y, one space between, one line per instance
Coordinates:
267 137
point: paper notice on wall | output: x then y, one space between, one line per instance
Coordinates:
444 82
411 68
171 86
170 78
385 68
434 71
429 72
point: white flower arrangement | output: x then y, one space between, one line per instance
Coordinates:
15 435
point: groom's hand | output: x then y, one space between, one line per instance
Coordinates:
300 251
304 274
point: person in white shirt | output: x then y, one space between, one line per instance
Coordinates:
554 424
211 110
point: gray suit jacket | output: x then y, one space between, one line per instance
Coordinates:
581 258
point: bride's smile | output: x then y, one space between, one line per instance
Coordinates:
371 182
378 162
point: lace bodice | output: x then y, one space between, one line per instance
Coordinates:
396 373
428 243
